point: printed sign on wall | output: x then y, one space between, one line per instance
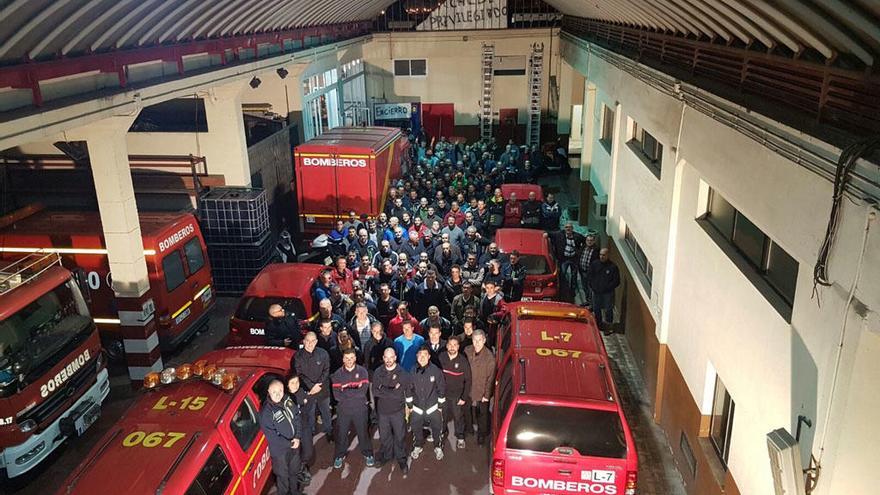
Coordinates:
467 14
392 111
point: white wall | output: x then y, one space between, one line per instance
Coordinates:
712 314
454 68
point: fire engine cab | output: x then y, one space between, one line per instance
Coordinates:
53 378
194 430
174 250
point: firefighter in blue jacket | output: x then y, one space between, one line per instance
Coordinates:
425 399
280 423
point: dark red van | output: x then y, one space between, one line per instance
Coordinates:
287 284
558 426
542 277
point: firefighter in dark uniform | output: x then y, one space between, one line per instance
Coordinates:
280 423
351 383
282 329
425 398
457 372
390 383
306 445
312 365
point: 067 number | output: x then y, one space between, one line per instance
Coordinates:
544 351
150 440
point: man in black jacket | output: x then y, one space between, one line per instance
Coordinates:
390 383
386 305
280 422
375 346
604 278
282 329
312 365
457 373
425 398
351 384
566 245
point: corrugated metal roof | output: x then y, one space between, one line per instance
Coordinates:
829 27
40 29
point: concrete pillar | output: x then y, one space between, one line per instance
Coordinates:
566 81
225 146
108 154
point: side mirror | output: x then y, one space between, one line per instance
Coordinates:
82 280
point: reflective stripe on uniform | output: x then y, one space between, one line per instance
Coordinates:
432 409
417 410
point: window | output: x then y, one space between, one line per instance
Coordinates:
647 148
536 264
607 125
257 308
414 67
762 257
641 259
195 259
172 266
721 425
505 385
591 432
244 424
507 333
261 386
214 477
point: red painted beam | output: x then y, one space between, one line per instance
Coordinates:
29 74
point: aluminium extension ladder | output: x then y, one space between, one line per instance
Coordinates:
486 100
536 75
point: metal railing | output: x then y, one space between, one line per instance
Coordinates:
844 98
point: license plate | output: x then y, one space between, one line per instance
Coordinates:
88 419
182 316
527 299
206 296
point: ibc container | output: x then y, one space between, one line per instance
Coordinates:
234 215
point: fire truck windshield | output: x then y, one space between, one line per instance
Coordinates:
32 339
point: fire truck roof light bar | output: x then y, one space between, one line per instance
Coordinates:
559 314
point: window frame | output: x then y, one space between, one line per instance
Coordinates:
606 131
653 158
178 253
256 417
197 482
771 286
645 270
409 67
728 409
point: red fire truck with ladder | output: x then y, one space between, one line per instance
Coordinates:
53 377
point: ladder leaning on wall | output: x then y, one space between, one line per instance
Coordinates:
486 101
536 76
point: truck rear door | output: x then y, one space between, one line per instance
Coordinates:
317 187
556 449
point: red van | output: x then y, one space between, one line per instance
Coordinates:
557 424
194 429
179 272
344 169
542 277
287 284
522 191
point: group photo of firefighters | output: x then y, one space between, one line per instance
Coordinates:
401 338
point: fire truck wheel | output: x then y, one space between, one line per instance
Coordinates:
115 351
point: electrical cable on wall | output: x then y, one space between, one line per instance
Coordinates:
848 158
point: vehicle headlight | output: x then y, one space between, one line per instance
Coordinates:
27 425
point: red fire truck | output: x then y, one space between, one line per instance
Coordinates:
180 276
194 430
53 377
345 169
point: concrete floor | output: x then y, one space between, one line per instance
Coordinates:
461 472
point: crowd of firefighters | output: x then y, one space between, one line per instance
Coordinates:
401 336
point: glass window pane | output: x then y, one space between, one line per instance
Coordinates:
535 264
749 239
782 272
257 308
721 214
722 420
195 259
244 425
214 477
418 67
172 265
401 67
591 432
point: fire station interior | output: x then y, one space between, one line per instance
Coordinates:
724 155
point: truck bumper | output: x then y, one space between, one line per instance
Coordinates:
19 459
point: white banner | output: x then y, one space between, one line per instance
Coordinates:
392 111
467 14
